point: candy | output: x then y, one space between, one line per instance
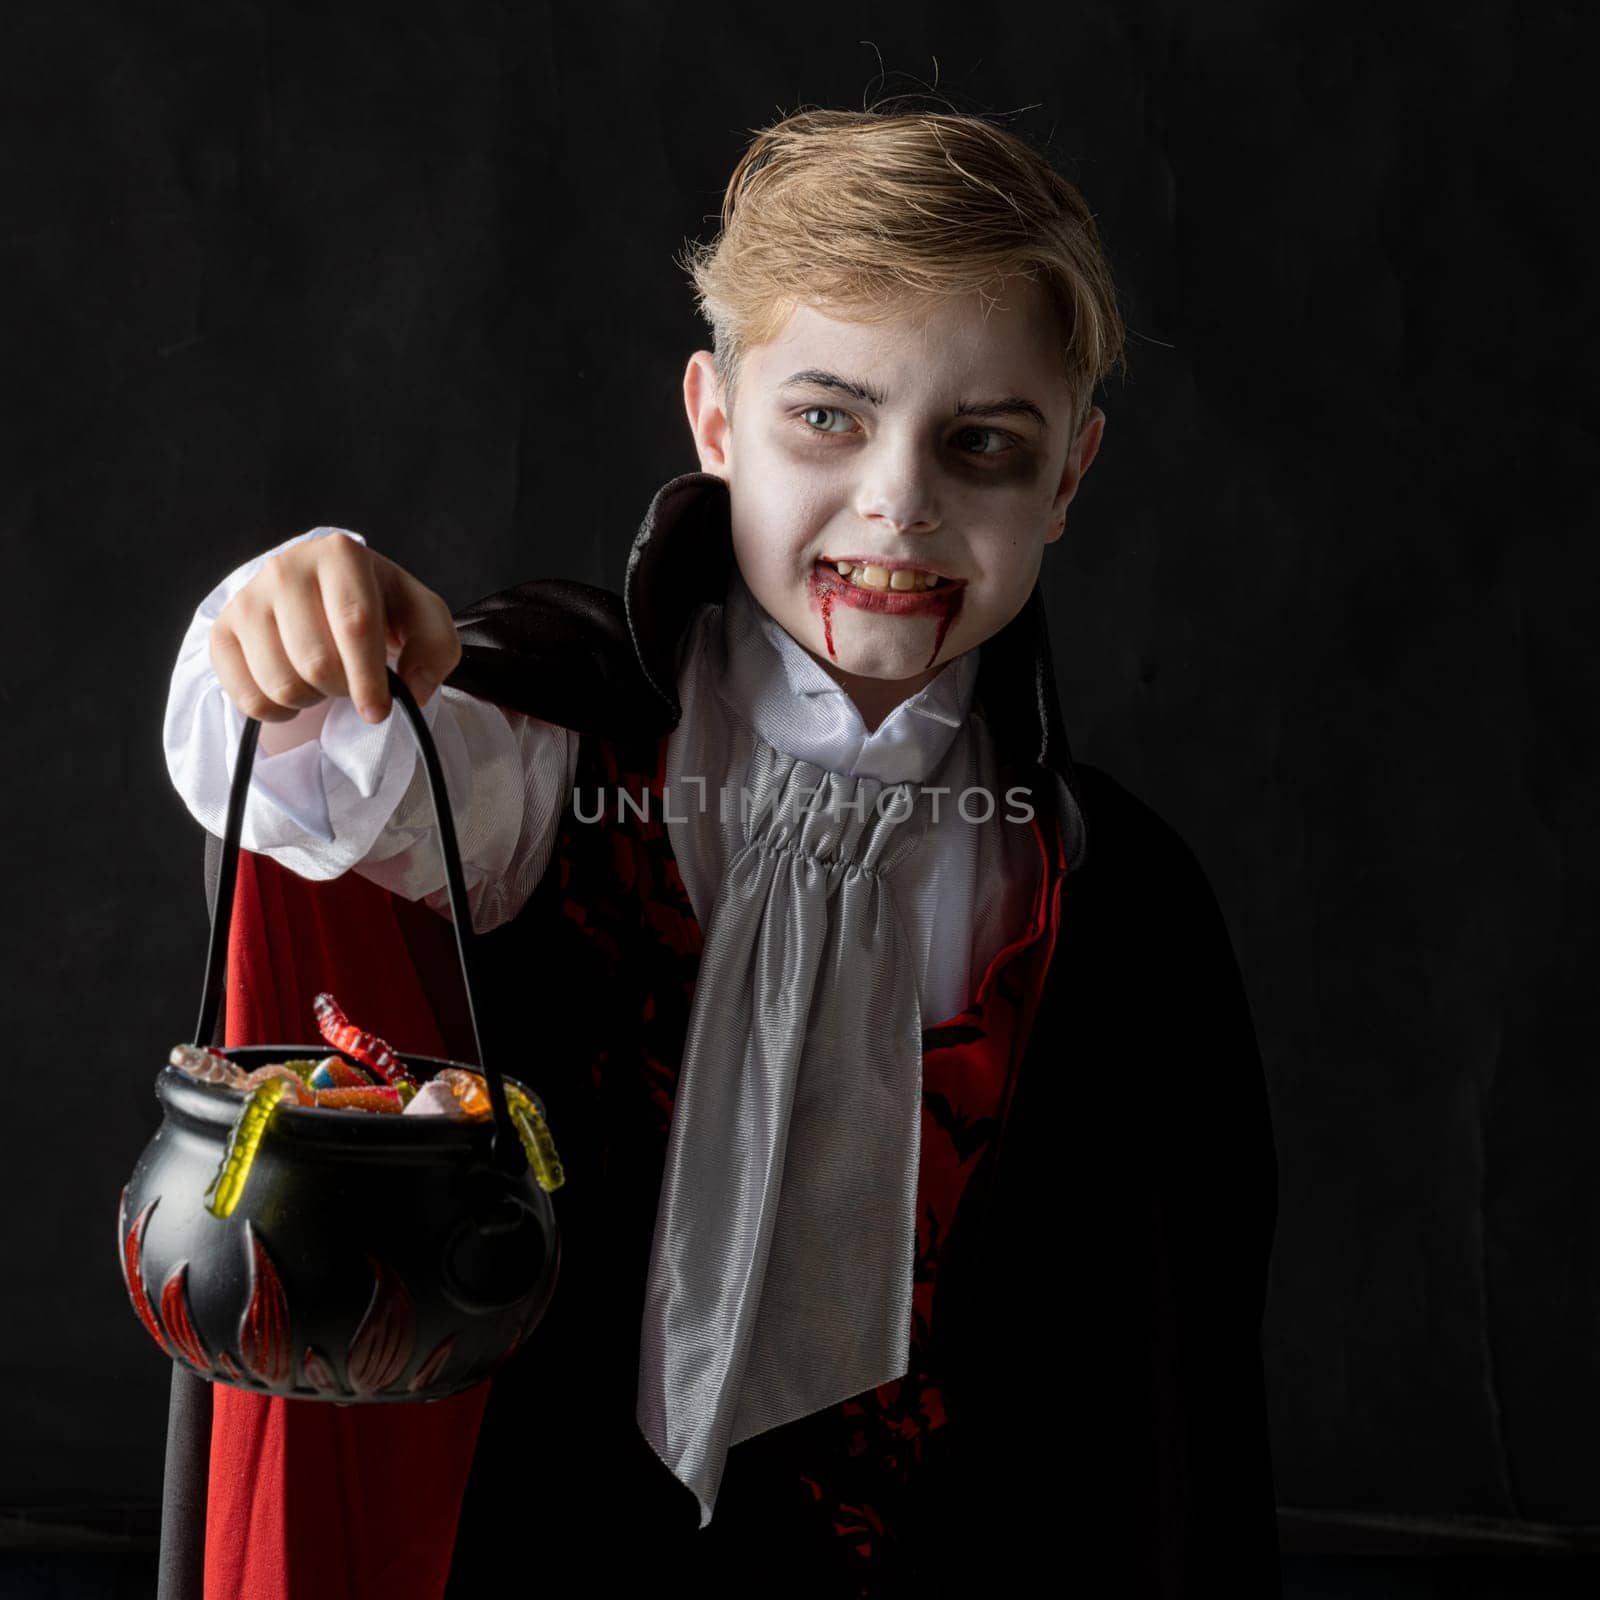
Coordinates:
435 1099
367 1048
368 1099
537 1144
294 1084
244 1137
522 1088
333 1072
335 1084
469 1088
207 1065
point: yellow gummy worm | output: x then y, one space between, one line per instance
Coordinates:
471 1090
537 1144
243 1139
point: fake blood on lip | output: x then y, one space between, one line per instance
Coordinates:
942 603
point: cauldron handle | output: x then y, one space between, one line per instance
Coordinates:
508 1152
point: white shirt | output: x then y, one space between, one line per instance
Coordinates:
355 797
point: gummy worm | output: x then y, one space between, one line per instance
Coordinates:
222 1195
537 1143
471 1090
342 1034
284 1071
207 1065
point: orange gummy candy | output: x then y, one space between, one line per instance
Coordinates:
369 1099
470 1090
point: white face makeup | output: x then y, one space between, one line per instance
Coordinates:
937 442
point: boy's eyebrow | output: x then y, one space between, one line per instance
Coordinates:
1009 406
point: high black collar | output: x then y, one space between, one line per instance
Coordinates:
566 652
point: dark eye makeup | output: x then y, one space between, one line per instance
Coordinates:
798 417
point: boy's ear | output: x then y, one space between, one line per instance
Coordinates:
1084 449
702 399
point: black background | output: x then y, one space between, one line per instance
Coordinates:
1326 599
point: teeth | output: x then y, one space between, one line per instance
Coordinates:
867 576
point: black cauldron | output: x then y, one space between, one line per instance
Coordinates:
370 1258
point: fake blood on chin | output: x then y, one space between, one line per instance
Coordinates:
829 589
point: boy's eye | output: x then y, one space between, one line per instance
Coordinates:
821 411
1007 442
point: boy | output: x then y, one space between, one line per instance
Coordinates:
920 1177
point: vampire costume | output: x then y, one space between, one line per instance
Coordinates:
1065 1366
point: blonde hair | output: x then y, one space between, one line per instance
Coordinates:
855 211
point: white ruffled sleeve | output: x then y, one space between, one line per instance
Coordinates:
356 797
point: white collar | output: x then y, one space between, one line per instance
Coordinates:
792 703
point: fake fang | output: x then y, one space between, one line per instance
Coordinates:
829 587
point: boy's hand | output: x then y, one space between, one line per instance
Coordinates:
318 620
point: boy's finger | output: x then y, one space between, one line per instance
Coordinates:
307 640
353 603
430 647
233 672
272 681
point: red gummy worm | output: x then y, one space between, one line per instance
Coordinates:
342 1034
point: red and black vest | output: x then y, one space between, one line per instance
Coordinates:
844 1476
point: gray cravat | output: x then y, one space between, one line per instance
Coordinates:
781 1265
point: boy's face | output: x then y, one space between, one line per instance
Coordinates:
819 474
